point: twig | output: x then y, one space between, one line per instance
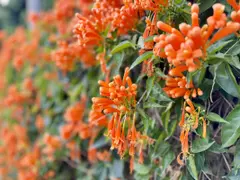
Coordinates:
206 175
217 131
226 162
141 97
229 103
214 81
231 48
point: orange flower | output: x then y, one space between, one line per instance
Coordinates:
187 46
119 102
189 121
75 113
64 57
235 15
39 123
150 5
177 86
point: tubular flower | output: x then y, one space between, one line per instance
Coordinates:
150 30
74 150
188 45
148 4
105 15
189 121
119 102
87 33
177 86
125 19
64 57
14 96
52 144
235 15
101 58
74 115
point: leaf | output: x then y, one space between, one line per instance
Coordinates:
200 160
233 175
172 127
160 73
167 159
198 76
231 131
141 168
165 116
226 79
236 161
217 149
227 58
140 42
123 45
160 138
200 145
117 168
162 149
145 119
100 143
149 38
191 166
141 58
218 46
149 84
153 105
75 92
204 5
235 49
215 118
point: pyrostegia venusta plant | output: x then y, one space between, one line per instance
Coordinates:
119 101
185 98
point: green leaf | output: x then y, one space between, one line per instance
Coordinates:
172 127
145 119
103 141
215 118
226 79
218 46
167 159
149 84
123 45
158 144
149 38
160 73
204 5
75 93
236 161
231 131
191 166
162 149
165 116
141 168
198 76
227 58
217 149
200 145
152 105
140 42
235 49
117 168
141 58
200 160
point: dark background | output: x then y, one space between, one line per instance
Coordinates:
14 13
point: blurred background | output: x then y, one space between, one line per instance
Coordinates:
13 12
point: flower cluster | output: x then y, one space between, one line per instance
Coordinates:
46 119
119 101
187 46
